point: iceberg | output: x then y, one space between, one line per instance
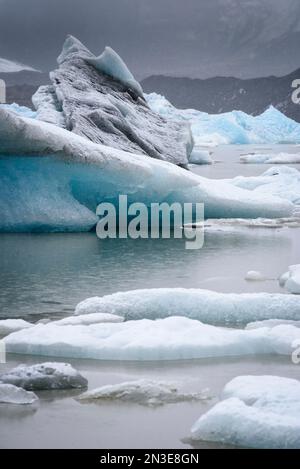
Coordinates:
275 158
173 338
291 279
254 276
10 394
256 412
7 326
61 178
44 376
206 306
199 156
143 392
98 99
234 127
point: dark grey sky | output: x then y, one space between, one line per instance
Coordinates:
177 37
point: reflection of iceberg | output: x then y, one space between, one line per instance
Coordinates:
235 127
172 338
256 412
60 192
206 306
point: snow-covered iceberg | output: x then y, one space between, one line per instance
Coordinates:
256 412
275 158
173 338
99 99
62 178
204 305
234 127
143 392
44 376
10 394
291 279
7 326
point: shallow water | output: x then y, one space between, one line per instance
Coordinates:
46 275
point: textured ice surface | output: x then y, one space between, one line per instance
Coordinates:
143 392
174 338
10 394
257 412
291 279
44 376
98 98
61 190
276 158
234 127
206 306
271 323
7 326
199 156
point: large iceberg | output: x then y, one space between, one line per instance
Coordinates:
62 178
257 412
99 99
234 127
204 305
173 338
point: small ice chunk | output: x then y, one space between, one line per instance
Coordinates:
7 326
255 276
143 392
44 376
291 279
199 156
256 412
10 394
275 158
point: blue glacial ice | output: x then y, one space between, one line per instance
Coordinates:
61 178
207 306
173 338
21 110
235 127
255 412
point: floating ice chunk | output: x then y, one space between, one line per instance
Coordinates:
291 279
86 319
7 326
199 156
143 392
271 323
110 63
234 127
21 110
204 305
10 394
255 276
174 338
46 194
44 376
257 412
279 158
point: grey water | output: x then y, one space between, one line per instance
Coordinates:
46 275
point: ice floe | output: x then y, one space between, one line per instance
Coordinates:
7 326
143 392
234 127
276 158
207 306
173 338
44 376
291 279
254 276
10 394
257 412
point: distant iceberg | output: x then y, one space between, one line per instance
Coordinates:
275 158
255 412
234 127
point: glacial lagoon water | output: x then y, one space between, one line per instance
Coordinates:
46 275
